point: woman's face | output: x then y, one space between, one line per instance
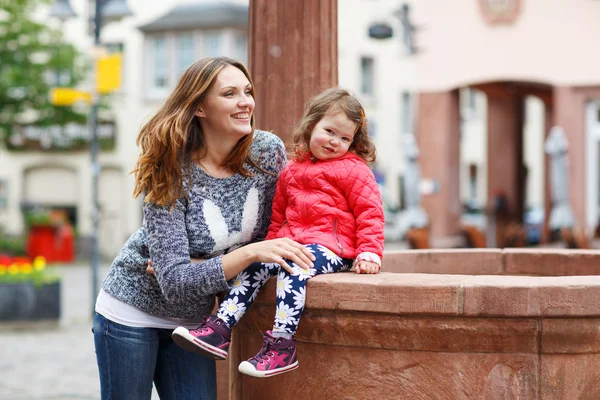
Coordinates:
229 104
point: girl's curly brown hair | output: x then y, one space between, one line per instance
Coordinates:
329 101
174 135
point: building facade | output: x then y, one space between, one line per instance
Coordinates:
158 43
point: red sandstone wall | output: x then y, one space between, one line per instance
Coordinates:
423 335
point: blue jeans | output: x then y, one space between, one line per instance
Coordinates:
130 359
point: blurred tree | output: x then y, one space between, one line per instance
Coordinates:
33 59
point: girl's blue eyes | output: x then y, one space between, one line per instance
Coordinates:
329 131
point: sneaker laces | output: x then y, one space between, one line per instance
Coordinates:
271 343
217 325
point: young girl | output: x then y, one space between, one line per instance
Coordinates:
327 199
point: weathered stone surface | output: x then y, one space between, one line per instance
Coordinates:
555 262
569 336
445 261
531 296
570 377
339 372
430 336
386 331
384 293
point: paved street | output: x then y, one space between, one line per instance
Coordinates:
53 361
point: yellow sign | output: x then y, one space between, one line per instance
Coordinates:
109 73
68 96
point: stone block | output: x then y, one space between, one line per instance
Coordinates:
457 261
570 376
571 336
555 262
340 372
531 296
383 292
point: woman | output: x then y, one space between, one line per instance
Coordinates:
208 181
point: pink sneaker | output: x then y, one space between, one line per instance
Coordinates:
278 355
211 339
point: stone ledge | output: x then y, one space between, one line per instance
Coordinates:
450 261
536 262
451 295
556 262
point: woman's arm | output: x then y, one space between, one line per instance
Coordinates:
168 246
279 206
270 251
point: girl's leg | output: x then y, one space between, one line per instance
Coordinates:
212 338
182 375
126 359
278 353
291 288
244 290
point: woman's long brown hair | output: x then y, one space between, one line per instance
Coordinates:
174 134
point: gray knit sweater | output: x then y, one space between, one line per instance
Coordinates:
220 215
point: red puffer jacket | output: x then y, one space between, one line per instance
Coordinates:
335 203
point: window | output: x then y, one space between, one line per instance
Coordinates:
212 44
159 63
184 52
367 80
407 113
240 48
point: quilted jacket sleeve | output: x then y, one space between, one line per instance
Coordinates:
364 198
279 205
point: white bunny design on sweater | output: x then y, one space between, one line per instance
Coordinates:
217 225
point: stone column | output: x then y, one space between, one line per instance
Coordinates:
548 121
569 113
293 56
505 157
438 136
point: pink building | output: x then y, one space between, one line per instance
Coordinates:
510 50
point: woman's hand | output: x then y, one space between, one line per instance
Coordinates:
279 250
366 267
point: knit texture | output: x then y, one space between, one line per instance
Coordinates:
218 216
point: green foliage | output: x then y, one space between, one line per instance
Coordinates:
13 245
32 55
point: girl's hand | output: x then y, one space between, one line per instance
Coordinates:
150 269
279 250
366 267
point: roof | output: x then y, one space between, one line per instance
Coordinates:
200 16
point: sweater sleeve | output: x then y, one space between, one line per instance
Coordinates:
270 149
365 200
179 279
279 206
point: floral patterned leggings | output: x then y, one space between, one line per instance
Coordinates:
291 288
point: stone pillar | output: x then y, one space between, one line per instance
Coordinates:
438 136
569 113
505 157
293 56
548 122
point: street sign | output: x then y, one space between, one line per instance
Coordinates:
68 96
109 73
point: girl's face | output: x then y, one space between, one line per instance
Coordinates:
229 104
332 136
